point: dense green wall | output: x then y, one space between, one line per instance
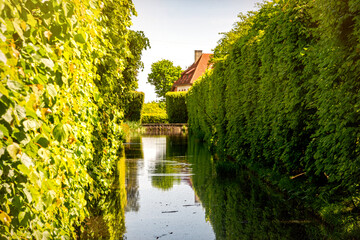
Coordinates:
176 107
154 112
135 105
283 96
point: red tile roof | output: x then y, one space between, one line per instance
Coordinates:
190 75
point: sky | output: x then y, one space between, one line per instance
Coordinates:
176 28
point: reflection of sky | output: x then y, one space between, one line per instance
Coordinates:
171 214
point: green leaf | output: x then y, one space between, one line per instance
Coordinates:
79 38
31 20
5 218
23 169
13 150
20 112
16 24
31 124
47 62
20 136
28 195
43 141
15 86
21 216
26 160
3 57
60 132
30 112
3 131
51 90
8 116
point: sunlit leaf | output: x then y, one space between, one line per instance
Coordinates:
13 150
5 219
3 57
60 132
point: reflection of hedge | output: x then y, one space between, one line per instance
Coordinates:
247 205
134 107
176 107
154 112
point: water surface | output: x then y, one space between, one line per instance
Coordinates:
161 200
174 191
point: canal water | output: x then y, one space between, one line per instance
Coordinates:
169 187
174 191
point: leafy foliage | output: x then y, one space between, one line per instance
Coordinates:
283 96
63 82
134 107
176 107
163 75
154 112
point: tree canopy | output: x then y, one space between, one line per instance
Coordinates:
163 75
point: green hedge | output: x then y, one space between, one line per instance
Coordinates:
176 107
154 118
154 112
134 107
284 97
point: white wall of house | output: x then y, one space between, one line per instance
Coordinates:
183 88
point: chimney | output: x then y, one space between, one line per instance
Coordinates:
198 54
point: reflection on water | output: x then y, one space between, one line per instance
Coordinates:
173 191
107 219
167 204
243 207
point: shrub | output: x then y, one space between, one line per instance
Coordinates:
134 107
176 107
154 112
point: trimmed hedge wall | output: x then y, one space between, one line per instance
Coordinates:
283 98
176 107
154 118
154 112
134 107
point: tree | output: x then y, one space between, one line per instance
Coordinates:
163 75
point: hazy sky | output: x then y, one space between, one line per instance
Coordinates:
176 28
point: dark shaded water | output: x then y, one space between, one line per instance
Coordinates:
168 187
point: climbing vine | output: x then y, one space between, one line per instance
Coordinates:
61 67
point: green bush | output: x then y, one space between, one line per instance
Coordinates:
176 107
154 112
134 107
